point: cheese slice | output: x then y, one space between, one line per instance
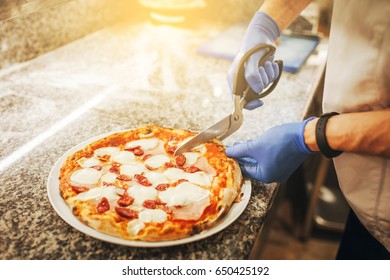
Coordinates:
187 201
153 216
123 157
106 151
85 177
97 193
141 193
109 178
199 178
157 161
132 168
191 157
135 226
192 211
183 194
201 149
145 144
156 178
174 174
205 166
88 162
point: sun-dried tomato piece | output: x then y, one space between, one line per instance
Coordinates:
180 160
138 152
126 213
162 187
79 189
114 169
125 200
146 157
191 169
103 205
104 158
123 177
150 204
166 209
142 180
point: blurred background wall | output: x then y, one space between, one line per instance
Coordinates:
29 28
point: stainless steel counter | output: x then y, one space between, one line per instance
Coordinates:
118 78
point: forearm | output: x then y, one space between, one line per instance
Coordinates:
362 132
284 12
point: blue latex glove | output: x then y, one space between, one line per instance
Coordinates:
261 30
273 156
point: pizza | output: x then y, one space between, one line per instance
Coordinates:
130 185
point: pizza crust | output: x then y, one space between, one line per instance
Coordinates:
224 188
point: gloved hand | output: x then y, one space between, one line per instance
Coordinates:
273 156
261 30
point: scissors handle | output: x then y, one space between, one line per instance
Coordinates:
241 87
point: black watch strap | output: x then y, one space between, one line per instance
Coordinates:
322 142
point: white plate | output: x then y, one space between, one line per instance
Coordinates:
66 214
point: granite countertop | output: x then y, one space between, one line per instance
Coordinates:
119 78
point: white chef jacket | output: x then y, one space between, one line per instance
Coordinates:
358 79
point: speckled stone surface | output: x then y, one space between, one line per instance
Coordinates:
55 24
121 77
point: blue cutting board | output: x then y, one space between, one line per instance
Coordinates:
292 49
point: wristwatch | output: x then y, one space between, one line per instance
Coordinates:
322 142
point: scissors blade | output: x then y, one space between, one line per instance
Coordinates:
217 130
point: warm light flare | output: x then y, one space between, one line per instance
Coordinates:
173 11
173 4
167 19
58 126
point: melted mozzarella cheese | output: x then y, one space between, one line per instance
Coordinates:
85 177
152 216
191 212
156 178
159 150
201 149
157 161
146 144
109 177
135 226
132 168
205 166
183 194
191 158
141 193
123 157
110 151
174 174
97 193
88 162
199 178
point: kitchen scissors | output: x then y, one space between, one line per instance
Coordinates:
243 94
